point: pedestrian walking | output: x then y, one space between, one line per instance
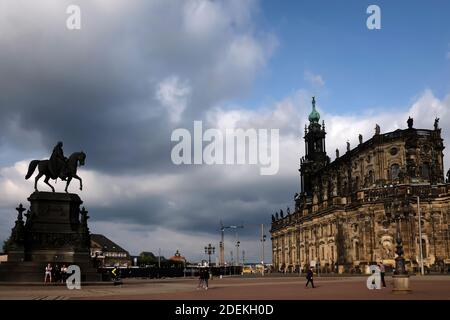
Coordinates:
206 278
63 273
201 278
48 273
309 277
382 272
56 273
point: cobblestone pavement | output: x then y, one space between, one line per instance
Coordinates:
237 288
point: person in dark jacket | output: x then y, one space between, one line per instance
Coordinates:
201 278
206 278
58 162
56 273
382 273
309 277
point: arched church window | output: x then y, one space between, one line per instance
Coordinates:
356 250
318 146
426 171
395 170
371 177
424 249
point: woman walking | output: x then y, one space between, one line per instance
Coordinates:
309 277
48 273
201 278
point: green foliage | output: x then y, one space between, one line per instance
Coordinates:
148 258
7 245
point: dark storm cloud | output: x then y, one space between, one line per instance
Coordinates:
89 97
95 88
149 211
200 200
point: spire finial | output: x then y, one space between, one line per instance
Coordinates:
314 116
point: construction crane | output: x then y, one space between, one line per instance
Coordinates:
262 239
222 241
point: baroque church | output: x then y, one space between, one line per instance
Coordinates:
350 212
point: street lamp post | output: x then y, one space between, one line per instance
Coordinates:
263 239
237 252
159 261
420 236
209 250
369 221
232 261
159 257
397 210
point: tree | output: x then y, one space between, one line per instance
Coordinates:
148 258
7 245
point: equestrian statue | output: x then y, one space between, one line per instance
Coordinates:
58 166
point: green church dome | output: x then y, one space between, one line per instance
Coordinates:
314 116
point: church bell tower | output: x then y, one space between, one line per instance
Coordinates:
315 154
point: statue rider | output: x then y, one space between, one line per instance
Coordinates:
58 162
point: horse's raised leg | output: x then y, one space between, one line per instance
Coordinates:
36 181
46 181
81 182
69 178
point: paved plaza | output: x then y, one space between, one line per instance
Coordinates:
236 288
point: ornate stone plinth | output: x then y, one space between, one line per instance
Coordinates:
401 284
55 232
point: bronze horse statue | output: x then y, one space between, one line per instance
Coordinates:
75 159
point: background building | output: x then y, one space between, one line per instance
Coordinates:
343 214
107 252
178 258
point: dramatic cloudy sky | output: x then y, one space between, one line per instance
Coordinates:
137 70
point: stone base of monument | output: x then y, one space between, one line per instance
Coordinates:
55 232
401 284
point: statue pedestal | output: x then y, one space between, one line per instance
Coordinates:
401 284
55 232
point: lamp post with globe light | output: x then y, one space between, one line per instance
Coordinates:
396 210
263 239
209 250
